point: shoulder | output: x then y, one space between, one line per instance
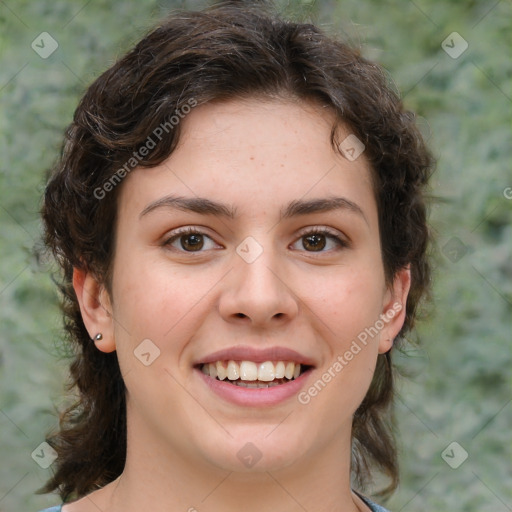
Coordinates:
376 508
371 505
57 508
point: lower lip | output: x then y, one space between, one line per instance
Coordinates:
255 396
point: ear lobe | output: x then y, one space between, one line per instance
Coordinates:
394 309
95 308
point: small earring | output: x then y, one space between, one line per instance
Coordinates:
98 337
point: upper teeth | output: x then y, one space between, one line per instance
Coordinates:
248 370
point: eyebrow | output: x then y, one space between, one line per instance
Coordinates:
191 204
301 207
295 208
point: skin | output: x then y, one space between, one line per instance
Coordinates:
258 156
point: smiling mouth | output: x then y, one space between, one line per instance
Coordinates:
249 374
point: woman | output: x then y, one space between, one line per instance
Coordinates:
238 213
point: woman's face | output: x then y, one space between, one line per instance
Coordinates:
254 247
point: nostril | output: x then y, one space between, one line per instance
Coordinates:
240 315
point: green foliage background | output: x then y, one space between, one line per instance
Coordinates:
459 386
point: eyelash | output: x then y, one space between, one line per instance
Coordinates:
340 242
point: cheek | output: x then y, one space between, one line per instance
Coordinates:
156 312
153 301
345 308
347 301
343 315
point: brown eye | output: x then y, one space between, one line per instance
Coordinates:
190 240
314 242
193 242
320 240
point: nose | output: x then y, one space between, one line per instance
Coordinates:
258 294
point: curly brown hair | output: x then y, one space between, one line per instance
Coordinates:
227 51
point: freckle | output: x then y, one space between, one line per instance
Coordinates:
251 158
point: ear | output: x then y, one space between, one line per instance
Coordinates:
95 306
394 307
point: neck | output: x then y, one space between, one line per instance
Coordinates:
171 482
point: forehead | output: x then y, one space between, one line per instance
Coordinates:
255 154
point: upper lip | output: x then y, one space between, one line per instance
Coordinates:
257 355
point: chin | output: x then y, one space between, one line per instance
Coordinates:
252 454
